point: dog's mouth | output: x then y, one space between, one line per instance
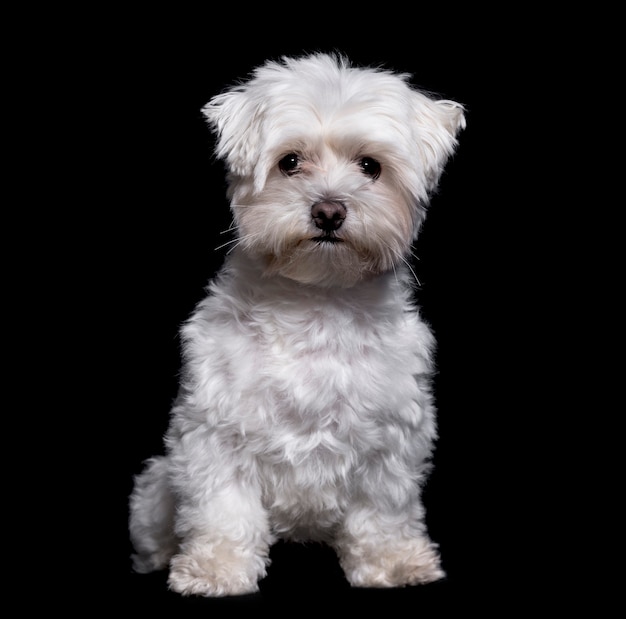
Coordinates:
327 238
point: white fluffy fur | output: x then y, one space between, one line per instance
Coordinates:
305 409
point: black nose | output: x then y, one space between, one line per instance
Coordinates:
328 216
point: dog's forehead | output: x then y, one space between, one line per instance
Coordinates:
345 126
308 101
343 93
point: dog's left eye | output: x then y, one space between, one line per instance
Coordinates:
289 164
370 166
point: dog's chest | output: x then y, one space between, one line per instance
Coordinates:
316 358
305 374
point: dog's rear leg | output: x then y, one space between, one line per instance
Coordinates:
152 518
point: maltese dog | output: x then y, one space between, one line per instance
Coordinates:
305 410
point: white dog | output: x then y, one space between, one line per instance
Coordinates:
305 409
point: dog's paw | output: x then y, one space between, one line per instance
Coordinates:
412 562
212 571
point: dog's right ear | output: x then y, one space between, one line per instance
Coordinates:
234 116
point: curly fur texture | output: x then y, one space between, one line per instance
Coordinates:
305 409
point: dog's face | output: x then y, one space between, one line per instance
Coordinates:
330 167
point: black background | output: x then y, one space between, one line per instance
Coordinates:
158 197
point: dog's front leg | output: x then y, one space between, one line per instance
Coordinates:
378 547
224 532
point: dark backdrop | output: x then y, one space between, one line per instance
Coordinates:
163 213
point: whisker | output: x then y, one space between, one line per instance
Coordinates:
413 250
232 227
401 257
408 264
237 241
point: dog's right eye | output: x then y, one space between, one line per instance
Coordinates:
289 164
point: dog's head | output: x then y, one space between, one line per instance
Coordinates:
330 166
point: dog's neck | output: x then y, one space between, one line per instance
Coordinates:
248 275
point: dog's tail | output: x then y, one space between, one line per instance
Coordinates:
151 522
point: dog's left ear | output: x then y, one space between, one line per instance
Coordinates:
438 123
